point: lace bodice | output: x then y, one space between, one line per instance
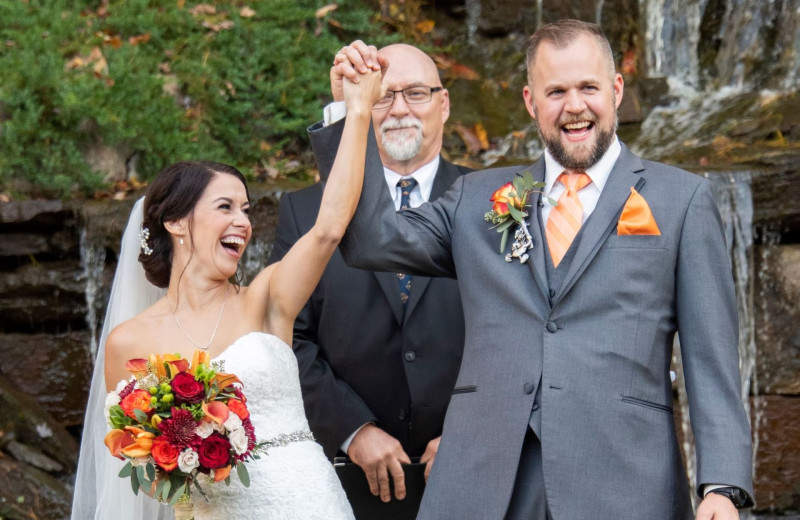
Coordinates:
268 369
292 481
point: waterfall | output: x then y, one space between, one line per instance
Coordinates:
255 258
672 34
735 202
93 259
473 15
723 43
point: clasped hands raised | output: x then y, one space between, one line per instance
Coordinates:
357 63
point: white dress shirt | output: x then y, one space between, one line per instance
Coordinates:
590 194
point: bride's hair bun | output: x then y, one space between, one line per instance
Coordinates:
172 196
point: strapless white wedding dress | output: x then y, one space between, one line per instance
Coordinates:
293 480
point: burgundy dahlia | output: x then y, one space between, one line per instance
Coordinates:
180 429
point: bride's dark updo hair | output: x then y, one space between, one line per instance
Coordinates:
172 196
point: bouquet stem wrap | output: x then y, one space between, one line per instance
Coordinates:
184 510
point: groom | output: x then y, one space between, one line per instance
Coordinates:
563 405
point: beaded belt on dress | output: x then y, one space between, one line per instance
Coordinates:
288 438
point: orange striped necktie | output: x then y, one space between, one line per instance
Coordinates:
566 217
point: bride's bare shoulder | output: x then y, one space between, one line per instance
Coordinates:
131 337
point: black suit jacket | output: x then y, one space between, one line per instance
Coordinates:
361 360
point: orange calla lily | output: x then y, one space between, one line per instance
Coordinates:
132 442
217 411
221 474
198 358
225 380
143 442
177 366
116 440
137 367
158 366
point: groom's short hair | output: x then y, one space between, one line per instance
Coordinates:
563 32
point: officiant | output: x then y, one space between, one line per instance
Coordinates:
379 352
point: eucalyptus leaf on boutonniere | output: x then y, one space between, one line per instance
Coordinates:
509 205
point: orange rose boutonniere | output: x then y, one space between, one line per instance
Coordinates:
509 205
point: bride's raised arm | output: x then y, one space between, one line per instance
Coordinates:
288 284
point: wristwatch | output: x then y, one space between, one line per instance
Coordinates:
736 495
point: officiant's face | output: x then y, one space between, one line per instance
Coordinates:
573 94
410 134
221 226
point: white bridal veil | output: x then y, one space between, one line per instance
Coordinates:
100 494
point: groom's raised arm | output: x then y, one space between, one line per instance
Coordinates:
415 241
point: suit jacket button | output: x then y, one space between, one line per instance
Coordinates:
529 387
402 414
410 356
551 326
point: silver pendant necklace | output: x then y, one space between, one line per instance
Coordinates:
213 334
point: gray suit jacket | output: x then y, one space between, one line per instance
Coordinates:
599 344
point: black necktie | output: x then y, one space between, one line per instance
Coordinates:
406 185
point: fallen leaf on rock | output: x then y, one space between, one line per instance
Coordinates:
136 40
324 10
425 26
470 138
201 9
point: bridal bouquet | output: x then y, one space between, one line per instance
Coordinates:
179 425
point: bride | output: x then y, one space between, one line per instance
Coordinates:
194 229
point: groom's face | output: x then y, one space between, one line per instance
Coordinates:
573 94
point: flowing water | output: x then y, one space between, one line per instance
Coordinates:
93 259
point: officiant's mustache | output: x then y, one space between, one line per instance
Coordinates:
394 123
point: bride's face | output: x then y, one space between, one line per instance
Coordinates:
221 226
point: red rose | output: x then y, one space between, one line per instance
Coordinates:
187 389
215 451
136 400
165 454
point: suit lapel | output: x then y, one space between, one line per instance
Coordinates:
536 260
603 220
446 175
388 282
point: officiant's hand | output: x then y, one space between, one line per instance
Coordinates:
380 456
429 455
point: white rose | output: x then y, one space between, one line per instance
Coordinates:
206 428
111 399
122 384
188 460
238 439
232 422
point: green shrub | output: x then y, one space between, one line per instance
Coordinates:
161 81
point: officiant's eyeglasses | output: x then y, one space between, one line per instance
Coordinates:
412 95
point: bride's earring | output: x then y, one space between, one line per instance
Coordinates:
180 241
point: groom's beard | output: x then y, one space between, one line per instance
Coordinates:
401 139
579 159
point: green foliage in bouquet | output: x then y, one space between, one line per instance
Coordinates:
161 81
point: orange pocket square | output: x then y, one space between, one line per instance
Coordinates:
636 218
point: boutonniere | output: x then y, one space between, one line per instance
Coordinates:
509 205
